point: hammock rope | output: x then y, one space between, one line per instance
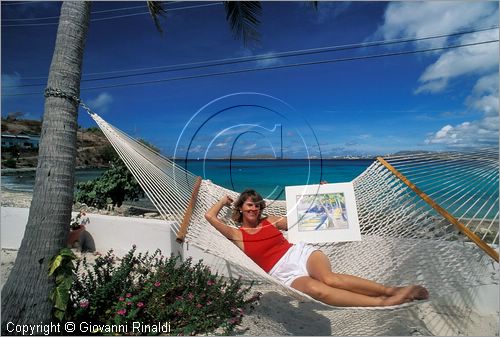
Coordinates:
404 239
483 245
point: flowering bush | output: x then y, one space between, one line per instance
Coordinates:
79 220
152 289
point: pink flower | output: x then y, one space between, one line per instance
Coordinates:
199 305
209 302
210 283
122 312
140 304
84 304
178 298
190 296
234 320
121 299
128 295
157 284
129 303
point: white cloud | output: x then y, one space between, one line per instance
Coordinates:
484 96
269 60
482 132
101 103
417 19
471 60
467 134
428 18
196 149
250 147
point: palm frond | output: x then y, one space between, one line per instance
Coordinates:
156 9
243 19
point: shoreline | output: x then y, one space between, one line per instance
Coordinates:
22 199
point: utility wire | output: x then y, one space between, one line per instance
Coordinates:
116 16
212 63
9 3
92 13
271 68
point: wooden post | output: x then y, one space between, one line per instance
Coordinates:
470 234
181 234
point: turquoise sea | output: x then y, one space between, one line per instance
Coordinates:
269 177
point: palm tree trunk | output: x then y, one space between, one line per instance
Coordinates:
25 294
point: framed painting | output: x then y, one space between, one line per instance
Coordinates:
322 213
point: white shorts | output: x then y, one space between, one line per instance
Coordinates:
293 264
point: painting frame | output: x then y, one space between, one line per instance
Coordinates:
322 213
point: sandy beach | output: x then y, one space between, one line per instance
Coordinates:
280 314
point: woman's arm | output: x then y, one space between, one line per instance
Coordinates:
212 216
279 222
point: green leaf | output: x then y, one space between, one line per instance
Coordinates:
61 294
59 314
55 263
66 252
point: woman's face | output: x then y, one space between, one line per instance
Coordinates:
250 210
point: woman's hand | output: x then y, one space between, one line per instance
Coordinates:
226 200
212 216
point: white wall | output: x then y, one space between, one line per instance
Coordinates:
118 233
104 232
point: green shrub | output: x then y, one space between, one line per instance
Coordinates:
151 289
94 129
114 186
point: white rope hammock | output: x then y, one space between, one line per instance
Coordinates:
410 209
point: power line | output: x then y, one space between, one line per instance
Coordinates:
57 16
9 3
114 17
228 61
272 67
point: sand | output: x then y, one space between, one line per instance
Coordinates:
280 314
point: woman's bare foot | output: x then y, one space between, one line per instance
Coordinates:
419 293
391 291
406 294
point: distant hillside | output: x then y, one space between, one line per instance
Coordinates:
94 150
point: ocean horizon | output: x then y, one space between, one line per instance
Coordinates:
268 176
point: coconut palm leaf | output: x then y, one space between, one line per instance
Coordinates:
156 9
243 19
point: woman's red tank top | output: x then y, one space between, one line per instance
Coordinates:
266 246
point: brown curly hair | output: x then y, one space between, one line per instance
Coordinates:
248 193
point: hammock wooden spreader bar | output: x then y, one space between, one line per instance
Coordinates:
181 234
471 235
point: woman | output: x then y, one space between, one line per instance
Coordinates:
300 266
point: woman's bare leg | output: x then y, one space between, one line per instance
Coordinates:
344 298
319 268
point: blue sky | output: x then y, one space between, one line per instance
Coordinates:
358 106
